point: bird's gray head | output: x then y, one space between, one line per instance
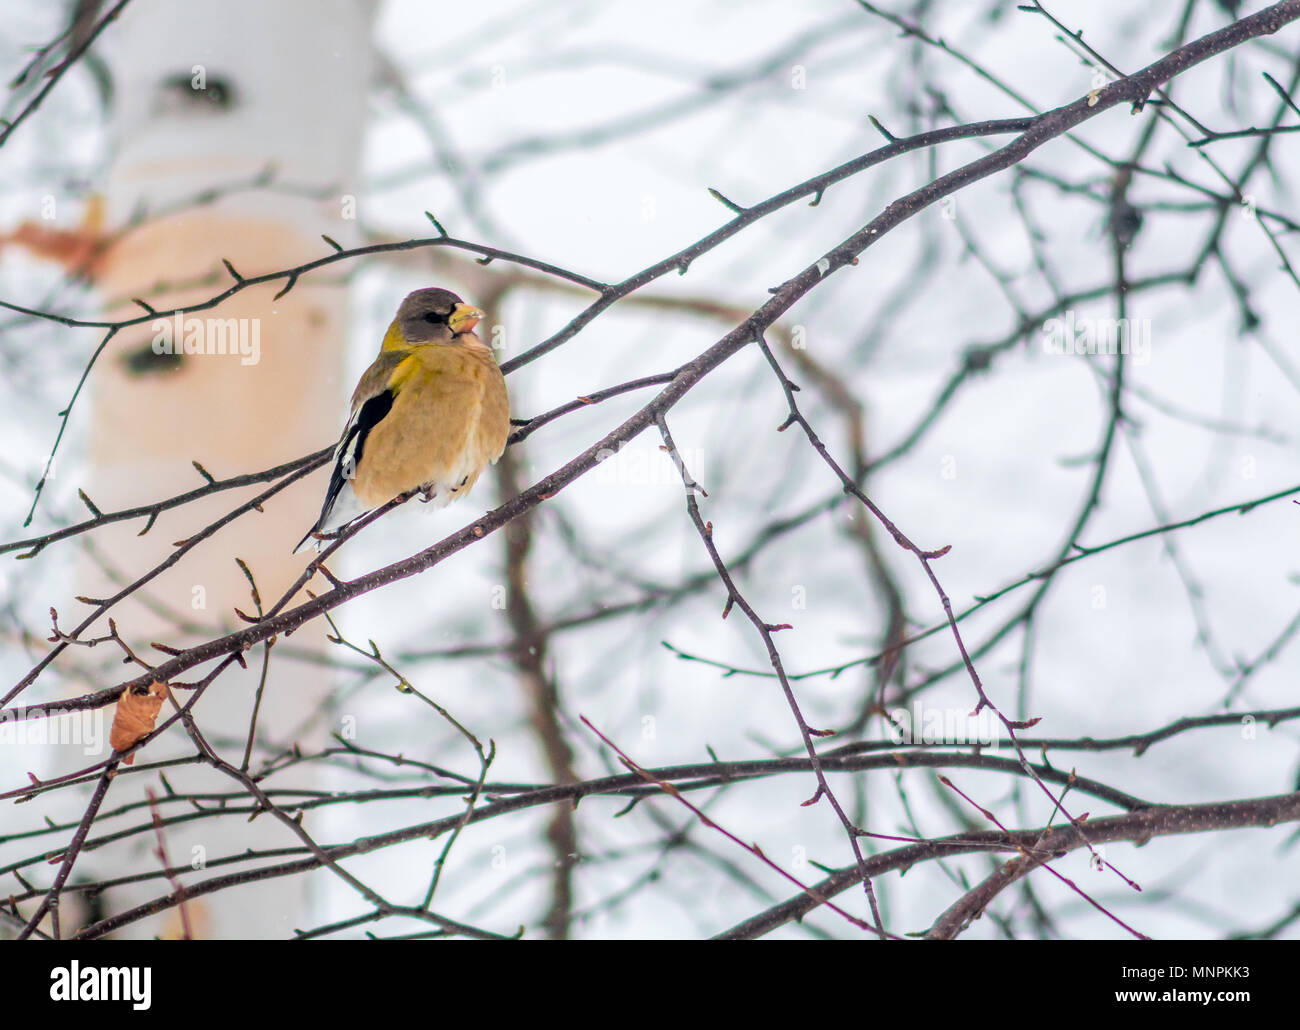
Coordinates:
435 315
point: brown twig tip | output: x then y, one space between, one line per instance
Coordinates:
324 570
731 205
289 284
153 517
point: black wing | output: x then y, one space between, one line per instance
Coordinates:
347 455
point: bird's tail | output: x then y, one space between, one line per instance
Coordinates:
305 538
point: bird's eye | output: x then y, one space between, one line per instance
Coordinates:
433 316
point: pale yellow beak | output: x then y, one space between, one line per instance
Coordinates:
463 318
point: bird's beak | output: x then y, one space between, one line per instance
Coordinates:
463 318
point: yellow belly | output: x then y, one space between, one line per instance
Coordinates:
449 419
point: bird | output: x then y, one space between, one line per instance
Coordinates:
428 415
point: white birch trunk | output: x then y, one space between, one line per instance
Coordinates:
286 86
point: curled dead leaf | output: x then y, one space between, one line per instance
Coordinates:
137 711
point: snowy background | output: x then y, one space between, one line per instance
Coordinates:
587 135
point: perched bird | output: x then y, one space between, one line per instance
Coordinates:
429 414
